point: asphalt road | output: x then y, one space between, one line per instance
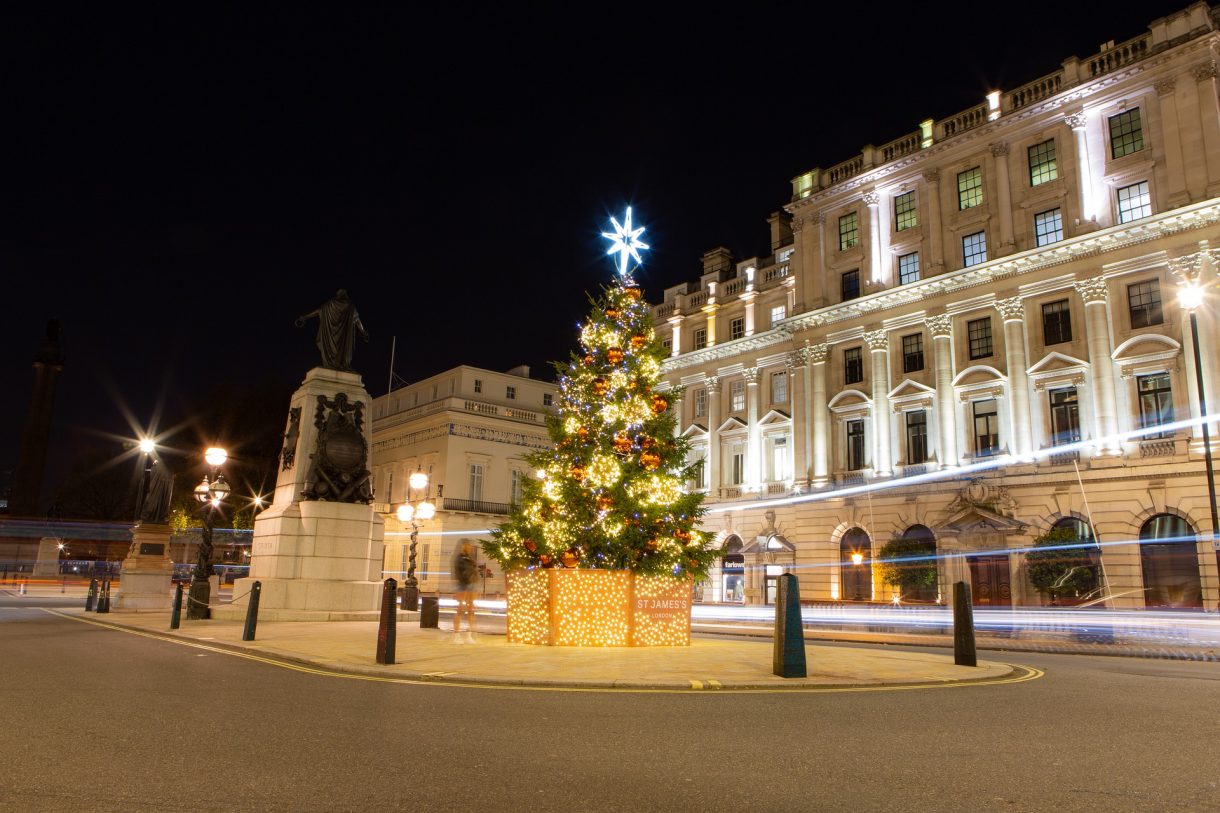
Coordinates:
95 719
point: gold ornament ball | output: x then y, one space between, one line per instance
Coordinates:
659 404
650 460
638 341
614 355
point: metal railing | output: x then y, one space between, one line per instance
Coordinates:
476 506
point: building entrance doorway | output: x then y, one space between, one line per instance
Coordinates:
990 581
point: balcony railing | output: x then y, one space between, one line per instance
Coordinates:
1158 447
1064 458
476 506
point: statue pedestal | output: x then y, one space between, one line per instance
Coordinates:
47 565
317 560
145 578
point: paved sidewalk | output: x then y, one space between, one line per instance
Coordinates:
432 655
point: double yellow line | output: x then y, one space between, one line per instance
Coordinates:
1020 674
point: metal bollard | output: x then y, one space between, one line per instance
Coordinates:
175 617
91 598
429 612
387 627
788 657
247 634
963 627
103 603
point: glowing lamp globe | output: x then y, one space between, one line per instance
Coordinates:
147 446
220 489
215 456
857 558
201 491
405 512
1190 297
426 510
418 480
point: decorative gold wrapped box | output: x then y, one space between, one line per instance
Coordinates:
575 607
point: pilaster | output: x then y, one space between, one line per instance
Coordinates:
941 328
1012 312
818 413
1095 294
878 345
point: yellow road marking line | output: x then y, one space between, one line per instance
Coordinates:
1021 675
715 684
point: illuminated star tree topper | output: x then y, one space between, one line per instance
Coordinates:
625 242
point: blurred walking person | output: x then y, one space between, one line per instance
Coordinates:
465 571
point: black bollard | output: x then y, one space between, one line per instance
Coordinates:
788 660
103 602
247 634
963 627
91 598
387 629
175 617
429 612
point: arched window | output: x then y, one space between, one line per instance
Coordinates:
733 571
855 566
1088 558
924 542
1170 562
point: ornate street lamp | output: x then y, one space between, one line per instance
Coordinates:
1190 296
210 493
146 446
416 510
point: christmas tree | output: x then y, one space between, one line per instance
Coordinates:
610 493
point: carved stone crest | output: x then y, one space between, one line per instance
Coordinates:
979 493
338 470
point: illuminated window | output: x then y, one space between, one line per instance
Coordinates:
853 366
476 481
701 403
737 462
1156 402
778 458
737 328
737 395
1144 303
700 338
849 285
979 331
548 399
855 444
779 387
478 385
778 314
908 268
849 231
986 428
1126 133
912 353
1042 164
905 214
1056 322
969 188
1134 202
510 392
1065 416
974 249
917 436
1048 227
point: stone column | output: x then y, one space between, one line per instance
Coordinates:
803 253
798 396
1084 176
941 328
713 435
748 296
677 405
1171 139
1012 311
1209 117
754 431
675 339
873 201
878 346
710 309
817 413
999 151
1094 292
823 297
930 207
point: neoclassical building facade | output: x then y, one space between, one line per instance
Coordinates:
970 335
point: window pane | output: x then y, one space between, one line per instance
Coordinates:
1134 202
701 338
737 396
917 437
779 388
979 333
849 231
1126 134
1056 322
850 285
1065 416
855 445
908 268
969 188
974 249
853 366
1144 302
778 313
986 428
737 328
905 214
1048 227
1156 402
1042 164
912 353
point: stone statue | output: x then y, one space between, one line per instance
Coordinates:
155 509
338 325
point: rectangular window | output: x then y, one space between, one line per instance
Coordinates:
700 403
778 314
979 333
969 188
912 353
1134 202
737 328
1048 227
668 345
905 214
849 285
697 458
853 366
478 385
1056 322
974 249
1126 134
1144 303
514 488
476 481
778 459
849 231
917 437
1042 164
855 445
510 392
737 395
1065 416
1156 402
700 338
908 268
986 428
737 463
548 399
779 388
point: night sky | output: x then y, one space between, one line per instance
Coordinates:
179 186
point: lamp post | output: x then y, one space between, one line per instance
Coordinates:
417 509
210 493
1190 296
147 447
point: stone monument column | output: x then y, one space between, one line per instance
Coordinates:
32 451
